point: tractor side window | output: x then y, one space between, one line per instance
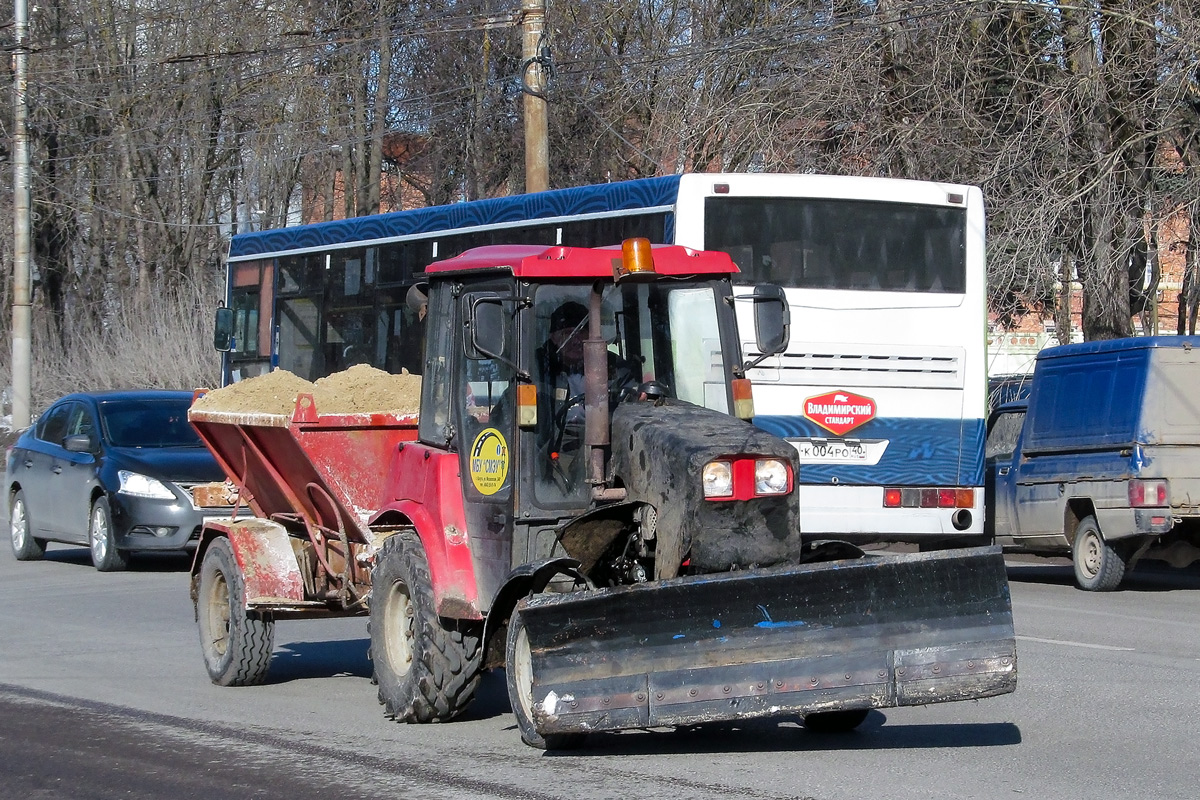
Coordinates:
560 328
436 396
488 397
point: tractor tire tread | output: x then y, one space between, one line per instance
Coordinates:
445 671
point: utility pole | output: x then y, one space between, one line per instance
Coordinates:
22 370
533 79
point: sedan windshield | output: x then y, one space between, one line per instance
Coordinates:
148 423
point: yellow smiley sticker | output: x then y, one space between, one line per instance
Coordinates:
489 461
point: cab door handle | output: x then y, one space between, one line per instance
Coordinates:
1003 470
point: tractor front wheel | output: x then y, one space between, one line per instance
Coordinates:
518 670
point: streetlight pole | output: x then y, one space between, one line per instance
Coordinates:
22 370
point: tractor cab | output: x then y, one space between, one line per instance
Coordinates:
541 348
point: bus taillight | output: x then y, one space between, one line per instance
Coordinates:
928 497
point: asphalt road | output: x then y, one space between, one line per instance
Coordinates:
103 695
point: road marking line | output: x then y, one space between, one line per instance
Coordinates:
1075 644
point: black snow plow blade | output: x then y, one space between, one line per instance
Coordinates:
874 632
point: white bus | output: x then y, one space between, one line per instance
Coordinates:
882 390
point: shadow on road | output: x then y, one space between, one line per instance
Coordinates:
329 659
758 736
175 561
1148 576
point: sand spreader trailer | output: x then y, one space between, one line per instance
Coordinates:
582 499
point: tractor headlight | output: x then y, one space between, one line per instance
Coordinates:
143 486
770 476
718 479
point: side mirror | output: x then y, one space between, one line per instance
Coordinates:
772 319
223 330
78 443
487 327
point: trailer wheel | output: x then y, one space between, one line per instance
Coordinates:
427 671
519 677
25 547
1099 565
835 721
236 643
105 555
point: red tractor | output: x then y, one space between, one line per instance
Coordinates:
583 500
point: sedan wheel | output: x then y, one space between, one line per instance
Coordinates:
105 555
25 547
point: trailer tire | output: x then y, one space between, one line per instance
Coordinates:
25 547
426 670
835 721
1099 565
236 643
519 678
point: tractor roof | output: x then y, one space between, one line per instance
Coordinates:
559 261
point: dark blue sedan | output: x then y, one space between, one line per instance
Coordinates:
116 471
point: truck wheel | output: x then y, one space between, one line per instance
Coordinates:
426 670
236 643
25 547
518 672
105 555
835 721
1099 566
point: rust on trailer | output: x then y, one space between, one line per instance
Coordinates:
268 563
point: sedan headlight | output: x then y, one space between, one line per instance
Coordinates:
770 476
718 479
133 483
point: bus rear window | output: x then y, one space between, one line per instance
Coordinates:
813 243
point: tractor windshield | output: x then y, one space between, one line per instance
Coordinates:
661 332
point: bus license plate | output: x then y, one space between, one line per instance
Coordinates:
839 451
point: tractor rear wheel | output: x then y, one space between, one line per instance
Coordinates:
236 643
427 669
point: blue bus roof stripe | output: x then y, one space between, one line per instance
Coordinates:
360 231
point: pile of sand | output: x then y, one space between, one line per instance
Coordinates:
363 389
358 390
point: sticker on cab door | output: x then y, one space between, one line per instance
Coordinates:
839 412
489 461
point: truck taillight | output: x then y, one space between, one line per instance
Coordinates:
1148 493
933 497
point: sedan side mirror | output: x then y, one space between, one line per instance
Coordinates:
78 443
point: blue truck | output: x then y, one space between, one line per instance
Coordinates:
1102 460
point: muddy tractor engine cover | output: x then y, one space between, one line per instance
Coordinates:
659 453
